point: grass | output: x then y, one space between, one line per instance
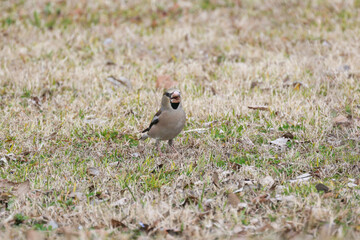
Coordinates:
60 116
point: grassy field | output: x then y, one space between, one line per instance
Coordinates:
270 150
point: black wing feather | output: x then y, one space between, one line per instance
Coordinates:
154 121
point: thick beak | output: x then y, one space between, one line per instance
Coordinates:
175 97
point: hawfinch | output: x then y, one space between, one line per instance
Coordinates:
169 121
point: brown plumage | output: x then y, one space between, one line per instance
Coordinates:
169 121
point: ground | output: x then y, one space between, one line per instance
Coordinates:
270 149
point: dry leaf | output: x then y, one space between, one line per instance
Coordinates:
107 41
121 81
328 195
53 224
255 84
173 232
16 189
209 124
165 82
296 85
121 202
280 142
342 120
262 108
93 171
215 179
3 161
233 199
302 178
262 198
357 181
213 90
189 199
322 188
118 224
351 185
110 63
288 135
158 168
22 189
235 166
267 182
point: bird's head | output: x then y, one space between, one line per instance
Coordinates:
171 98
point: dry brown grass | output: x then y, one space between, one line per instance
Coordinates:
60 117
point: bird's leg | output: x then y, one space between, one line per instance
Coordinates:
157 145
171 143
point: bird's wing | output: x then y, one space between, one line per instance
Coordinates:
154 121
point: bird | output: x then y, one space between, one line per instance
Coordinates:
169 121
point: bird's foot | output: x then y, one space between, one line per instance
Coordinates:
176 151
159 150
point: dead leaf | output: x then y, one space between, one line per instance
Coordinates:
107 41
255 84
280 142
233 199
235 166
215 179
173 232
351 185
262 198
120 202
296 85
135 154
189 199
357 181
3 161
267 182
4 197
316 173
16 189
341 120
53 224
22 189
302 178
93 171
322 188
9 157
209 124
118 224
325 43
328 195
262 108
165 82
158 168
288 135
121 81
110 63
101 226
213 90
36 101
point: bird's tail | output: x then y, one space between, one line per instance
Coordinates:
143 137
